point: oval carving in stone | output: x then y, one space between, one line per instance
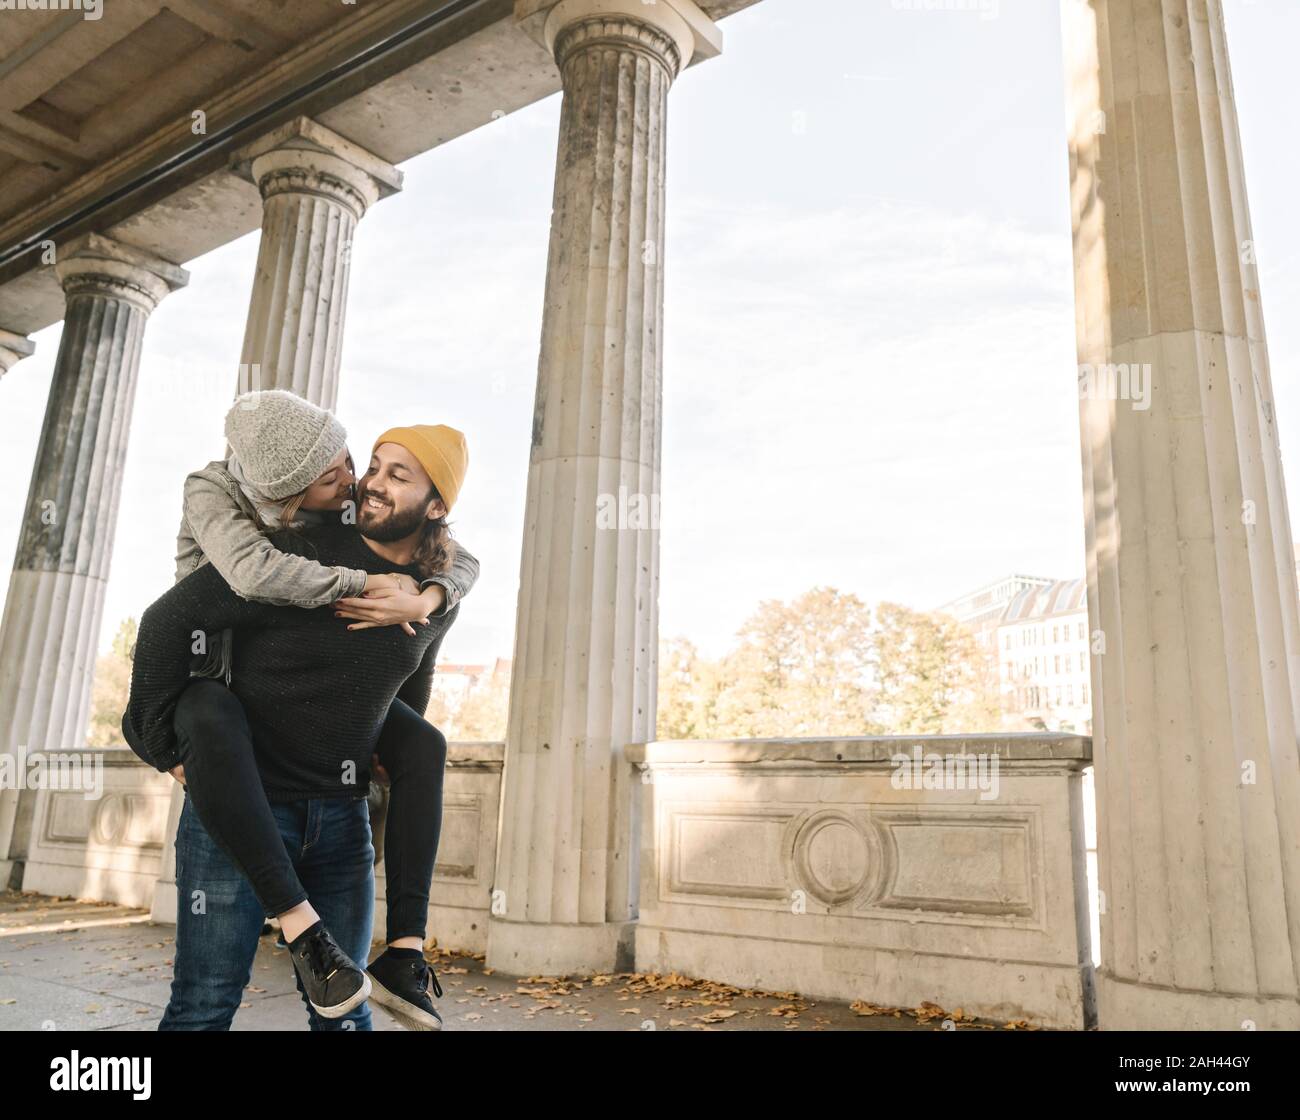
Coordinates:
111 820
833 856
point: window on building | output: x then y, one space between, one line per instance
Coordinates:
1058 663
1085 693
1081 631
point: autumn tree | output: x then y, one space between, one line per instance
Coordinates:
111 689
688 692
823 665
801 669
478 714
484 712
934 677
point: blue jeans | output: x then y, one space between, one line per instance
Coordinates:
219 919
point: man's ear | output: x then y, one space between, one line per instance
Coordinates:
437 508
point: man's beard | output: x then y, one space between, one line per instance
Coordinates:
395 525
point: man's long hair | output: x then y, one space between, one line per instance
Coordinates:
436 549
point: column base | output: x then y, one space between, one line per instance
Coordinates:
163 909
1123 1005
11 874
554 949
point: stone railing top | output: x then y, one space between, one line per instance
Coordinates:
1017 747
484 750
475 751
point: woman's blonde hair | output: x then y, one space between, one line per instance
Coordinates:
288 512
291 505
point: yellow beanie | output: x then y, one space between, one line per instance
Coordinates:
440 450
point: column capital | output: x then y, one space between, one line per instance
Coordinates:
101 266
304 157
692 32
13 349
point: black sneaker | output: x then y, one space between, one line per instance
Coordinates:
401 987
333 983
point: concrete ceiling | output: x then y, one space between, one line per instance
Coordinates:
97 116
74 91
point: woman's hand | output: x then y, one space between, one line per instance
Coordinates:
391 606
391 580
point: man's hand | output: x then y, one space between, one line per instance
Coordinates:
388 606
378 772
178 772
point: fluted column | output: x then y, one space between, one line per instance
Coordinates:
50 629
315 187
13 349
585 639
1191 577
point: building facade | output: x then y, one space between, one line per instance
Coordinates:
1037 628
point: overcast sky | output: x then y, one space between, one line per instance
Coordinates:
869 377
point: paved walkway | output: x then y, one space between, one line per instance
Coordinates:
68 965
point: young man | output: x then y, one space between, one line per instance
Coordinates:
316 696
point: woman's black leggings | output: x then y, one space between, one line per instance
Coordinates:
225 788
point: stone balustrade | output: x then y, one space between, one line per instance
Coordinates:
804 865
821 866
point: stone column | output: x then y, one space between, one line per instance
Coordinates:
1191 577
585 639
315 187
50 631
13 349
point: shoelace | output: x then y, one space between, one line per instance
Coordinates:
426 974
324 956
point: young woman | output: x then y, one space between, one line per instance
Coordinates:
289 465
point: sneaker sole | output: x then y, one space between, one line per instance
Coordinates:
340 1009
406 1013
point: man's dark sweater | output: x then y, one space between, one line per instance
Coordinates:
316 694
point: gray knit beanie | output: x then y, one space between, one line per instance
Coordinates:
283 443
